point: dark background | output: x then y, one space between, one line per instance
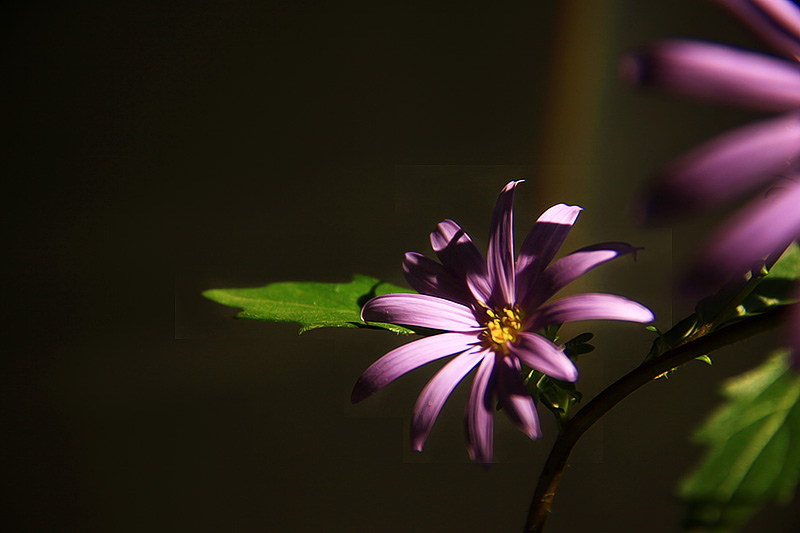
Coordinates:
154 150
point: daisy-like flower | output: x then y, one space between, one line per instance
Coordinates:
489 312
763 156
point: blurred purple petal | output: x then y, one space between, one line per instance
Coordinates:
500 259
408 357
542 243
716 73
767 225
777 22
590 306
726 166
741 160
514 398
478 416
459 255
437 391
419 310
571 267
542 355
426 276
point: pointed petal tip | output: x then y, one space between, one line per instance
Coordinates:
541 354
422 310
533 433
591 306
572 375
636 312
361 391
647 316
561 214
512 184
448 225
365 309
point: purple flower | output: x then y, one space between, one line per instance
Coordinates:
489 312
760 157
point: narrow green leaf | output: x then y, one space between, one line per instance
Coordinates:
753 455
777 287
310 304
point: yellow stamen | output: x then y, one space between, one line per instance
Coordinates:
502 328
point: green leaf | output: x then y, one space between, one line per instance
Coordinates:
777 286
558 396
578 346
753 455
310 304
788 266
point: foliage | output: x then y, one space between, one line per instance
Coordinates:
738 301
753 455
559 396
310 304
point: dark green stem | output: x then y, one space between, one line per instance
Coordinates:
622 388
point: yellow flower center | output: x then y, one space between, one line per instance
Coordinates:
502 328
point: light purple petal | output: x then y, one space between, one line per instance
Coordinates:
542 355
571 267
426 276
419 310
716 73
408 357
590 306
436 392
765 226
542 243
459 255
500 259
777 22
726 167
514 399
478 416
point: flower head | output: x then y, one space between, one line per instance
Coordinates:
764 156
489 312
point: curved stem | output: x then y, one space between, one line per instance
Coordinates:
623 387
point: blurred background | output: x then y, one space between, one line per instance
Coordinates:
155 150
